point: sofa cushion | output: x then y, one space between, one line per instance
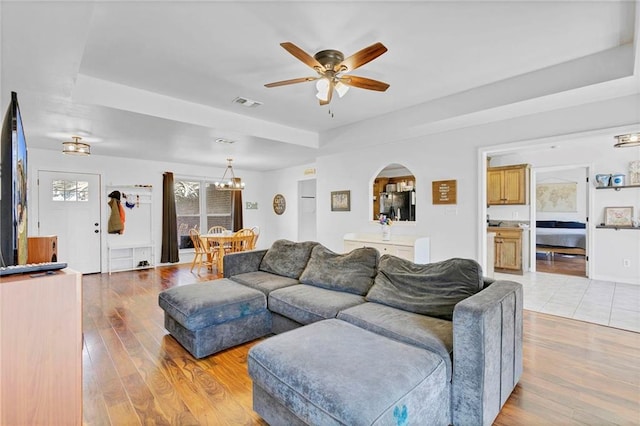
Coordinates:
432 289
266 282
287 258
352 272
433 334
372 380
200 305
306 304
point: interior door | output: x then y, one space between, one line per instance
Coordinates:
69 207
307 210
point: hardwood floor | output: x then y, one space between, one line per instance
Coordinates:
575 373
561 264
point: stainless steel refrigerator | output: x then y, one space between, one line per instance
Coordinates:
402 204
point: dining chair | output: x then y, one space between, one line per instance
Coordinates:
202 255
256 234
217 230
242 240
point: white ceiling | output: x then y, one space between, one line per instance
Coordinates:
156 79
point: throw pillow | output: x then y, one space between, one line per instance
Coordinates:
432 289
352 272
287 258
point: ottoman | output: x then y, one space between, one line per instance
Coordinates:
211 316
334 373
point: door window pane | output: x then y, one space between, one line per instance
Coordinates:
70 190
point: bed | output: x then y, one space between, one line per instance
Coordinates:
555 236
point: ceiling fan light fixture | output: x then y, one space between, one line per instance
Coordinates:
341 88
322 85
627 140
76 147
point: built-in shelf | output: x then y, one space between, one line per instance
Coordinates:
617 227
618 188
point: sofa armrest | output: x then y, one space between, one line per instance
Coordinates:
487 352
242 262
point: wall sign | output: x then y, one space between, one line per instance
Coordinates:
444 191
279 204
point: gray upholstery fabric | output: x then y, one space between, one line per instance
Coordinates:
351 272
199 305
215 338
280 324
487 352
373 380
306 304
287 258
272 410
242 262
266 282
432 289
433 334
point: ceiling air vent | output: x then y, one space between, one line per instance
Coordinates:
249 103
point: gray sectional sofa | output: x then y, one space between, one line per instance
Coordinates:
360 339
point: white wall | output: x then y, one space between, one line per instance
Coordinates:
455 231
123 171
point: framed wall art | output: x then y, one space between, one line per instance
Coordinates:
618 216
340 201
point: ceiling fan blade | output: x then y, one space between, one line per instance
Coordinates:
303 56
363 83
292 81
361 57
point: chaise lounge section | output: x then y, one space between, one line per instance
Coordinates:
366 340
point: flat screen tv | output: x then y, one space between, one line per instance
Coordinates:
13 188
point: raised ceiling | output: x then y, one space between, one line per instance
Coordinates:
157 79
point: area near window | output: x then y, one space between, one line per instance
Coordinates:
199 204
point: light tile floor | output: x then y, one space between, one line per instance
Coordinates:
601 302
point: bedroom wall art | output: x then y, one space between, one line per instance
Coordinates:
557 197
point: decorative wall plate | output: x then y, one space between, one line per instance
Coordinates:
279 204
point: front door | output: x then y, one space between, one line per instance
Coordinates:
69 207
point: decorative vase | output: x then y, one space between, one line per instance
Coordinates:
386 232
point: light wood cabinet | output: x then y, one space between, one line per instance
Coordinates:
507 250
41 349
507 185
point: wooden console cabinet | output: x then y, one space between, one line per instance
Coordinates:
41 349
507 185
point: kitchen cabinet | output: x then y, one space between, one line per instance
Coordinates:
409 247
508 245
507 185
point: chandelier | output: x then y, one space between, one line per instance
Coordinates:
76 147
231 183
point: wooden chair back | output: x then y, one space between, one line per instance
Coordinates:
242 240
217 230
256 234
197 242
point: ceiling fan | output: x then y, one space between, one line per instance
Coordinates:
332 67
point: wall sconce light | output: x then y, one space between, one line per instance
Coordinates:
630 139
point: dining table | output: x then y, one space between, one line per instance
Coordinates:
219 241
